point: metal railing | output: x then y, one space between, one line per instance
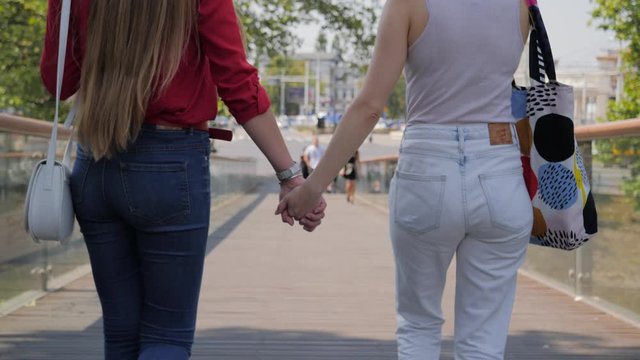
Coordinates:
26 268
606 271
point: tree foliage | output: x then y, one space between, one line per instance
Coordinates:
321 42
396 105
270 24
269 28
623 17
22 26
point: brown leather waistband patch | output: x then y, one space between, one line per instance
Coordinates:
500 134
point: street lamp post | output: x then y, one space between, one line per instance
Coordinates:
317 94
282 90
306 88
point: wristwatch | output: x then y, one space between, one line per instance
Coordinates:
293 171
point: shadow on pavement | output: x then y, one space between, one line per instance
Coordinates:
249 344
223 231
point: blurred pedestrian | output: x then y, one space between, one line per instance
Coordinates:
313 153
304 166
350 175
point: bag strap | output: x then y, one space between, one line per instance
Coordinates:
66 160
541 64
62 52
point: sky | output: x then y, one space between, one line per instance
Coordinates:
575 43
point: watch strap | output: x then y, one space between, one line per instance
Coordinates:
289 173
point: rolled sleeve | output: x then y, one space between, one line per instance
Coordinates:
236 80
255 103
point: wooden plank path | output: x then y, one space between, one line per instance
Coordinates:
275 293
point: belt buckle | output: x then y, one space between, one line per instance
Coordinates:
500 133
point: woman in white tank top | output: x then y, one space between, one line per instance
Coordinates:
458 188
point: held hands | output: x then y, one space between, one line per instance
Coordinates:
297 203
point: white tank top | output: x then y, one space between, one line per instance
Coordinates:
460 69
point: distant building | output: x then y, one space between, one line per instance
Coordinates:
345 84
338 82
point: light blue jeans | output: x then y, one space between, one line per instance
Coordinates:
455 193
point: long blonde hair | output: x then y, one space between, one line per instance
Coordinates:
134 49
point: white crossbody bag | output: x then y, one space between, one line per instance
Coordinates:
49 211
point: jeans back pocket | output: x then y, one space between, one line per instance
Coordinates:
508 200
417 201
79 178
156 192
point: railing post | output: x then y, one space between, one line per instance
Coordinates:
584 254
46 268
4 167
390 169
4 179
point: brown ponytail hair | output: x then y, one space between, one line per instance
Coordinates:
134 48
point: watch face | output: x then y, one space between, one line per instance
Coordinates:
285 174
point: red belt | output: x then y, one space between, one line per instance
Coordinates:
214 133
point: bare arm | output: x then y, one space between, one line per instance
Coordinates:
263 130
388 60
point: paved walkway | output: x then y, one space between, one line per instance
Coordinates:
275 293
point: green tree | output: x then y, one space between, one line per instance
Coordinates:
623 17
270 24
269 28
337 46
321 42
396 105
22 26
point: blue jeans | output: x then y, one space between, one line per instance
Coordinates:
144 215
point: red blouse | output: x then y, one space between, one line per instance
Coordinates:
192 95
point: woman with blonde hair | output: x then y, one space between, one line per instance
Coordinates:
147 74
458 188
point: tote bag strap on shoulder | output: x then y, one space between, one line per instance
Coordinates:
541 64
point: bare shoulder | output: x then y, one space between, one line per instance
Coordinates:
397 15
418 7
399 6
410 7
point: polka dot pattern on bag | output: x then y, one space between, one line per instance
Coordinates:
557 187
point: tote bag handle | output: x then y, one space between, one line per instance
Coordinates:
541 64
